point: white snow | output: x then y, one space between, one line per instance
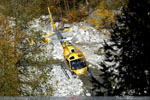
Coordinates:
64 86
57 53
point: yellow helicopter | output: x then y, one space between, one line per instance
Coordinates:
74 61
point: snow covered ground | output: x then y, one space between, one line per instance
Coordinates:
64 86
82 35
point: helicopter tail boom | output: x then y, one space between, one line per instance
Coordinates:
64 71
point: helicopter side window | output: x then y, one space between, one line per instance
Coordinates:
83 64
74 65
72 50
69 44
78 64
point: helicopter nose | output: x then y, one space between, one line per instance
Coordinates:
81 71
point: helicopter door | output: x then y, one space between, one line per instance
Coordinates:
67 62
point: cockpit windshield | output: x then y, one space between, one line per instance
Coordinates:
78 64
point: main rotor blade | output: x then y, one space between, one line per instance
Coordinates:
51 19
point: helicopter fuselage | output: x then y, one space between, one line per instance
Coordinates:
73 59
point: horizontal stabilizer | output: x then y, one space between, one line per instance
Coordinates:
49 35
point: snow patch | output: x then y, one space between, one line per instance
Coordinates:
64 86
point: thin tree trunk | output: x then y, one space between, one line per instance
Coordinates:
60 8
87 3
65 6
68 6
74 4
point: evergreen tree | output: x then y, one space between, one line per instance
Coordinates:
126 69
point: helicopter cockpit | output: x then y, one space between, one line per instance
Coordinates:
78 64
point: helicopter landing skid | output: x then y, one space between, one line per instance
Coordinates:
64 71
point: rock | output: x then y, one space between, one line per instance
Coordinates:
66 26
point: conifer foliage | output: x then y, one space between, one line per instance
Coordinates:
126 69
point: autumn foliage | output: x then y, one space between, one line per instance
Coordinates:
10 52
102 18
